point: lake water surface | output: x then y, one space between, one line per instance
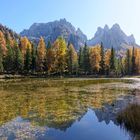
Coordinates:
66 109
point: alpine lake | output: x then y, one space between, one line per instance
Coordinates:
68 109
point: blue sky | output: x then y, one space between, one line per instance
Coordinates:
86 14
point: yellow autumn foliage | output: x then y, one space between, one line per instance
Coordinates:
95 58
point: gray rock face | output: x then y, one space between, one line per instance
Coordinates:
113 37
52 30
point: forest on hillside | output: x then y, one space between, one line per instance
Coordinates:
21 56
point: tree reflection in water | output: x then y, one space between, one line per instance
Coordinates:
42 104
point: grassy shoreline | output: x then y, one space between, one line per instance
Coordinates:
16 76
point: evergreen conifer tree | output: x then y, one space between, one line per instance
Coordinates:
102 62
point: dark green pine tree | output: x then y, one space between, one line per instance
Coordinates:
86 61
119 67
72 59
1 61
34 57
18 66
69 59
28 60
112 60
80 59
9 60
128 62
48 58
49 45
133 62
102 62
123 72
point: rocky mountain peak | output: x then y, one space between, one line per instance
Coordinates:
106 28
63 20
132 39
112 37
51 30
116 27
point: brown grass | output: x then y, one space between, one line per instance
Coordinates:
129 118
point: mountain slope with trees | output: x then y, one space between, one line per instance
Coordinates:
19 55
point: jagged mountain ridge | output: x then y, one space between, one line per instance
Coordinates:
51 30
113 37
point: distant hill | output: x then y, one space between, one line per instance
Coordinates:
50 31
113 37
7 37
6 31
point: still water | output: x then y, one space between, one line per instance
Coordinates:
66 109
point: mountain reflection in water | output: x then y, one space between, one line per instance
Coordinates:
41 109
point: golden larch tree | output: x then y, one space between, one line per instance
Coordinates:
107 60
3 43
24 45
95 58
41 54
10 41
60 49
